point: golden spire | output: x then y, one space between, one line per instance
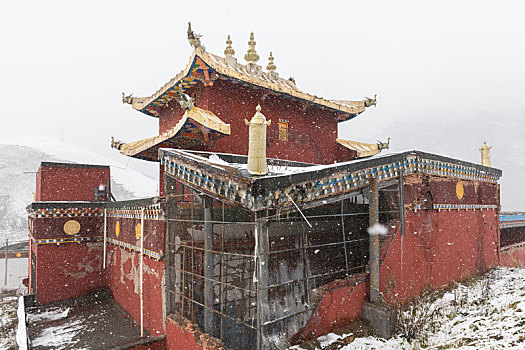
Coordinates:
485 154
229 51
271 66
251 56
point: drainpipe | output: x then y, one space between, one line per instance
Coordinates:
105 238
374 241
141 274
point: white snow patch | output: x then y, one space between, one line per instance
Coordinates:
377 229
58 336
50 315
21 330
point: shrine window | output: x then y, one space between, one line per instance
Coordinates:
283 129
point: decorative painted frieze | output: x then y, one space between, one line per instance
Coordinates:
153 212
66 212
147 252
305 185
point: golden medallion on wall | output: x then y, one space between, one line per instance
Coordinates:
117 229
460 190
72 227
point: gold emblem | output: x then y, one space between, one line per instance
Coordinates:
460 191
138 228
117 229
72 227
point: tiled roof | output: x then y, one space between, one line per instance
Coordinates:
363 149
206 68
196 126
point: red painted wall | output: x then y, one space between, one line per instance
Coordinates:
439 247
233 103
340 304
122 272
69 182
179 339
68 270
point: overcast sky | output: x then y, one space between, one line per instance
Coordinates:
448 74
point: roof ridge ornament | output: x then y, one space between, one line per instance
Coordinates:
229 51
185 101
195 38
383 145
251 56
369 102
127 99
271 65
116 144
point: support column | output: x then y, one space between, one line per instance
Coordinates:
402 202
262 249
208 264
374 241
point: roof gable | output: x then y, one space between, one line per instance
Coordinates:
205 68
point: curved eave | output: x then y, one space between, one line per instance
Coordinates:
196 127
187 78
363 149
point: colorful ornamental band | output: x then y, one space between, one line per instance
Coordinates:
66 212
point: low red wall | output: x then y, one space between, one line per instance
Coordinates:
341 303
122 271
71 270
180 339
438 248
513 256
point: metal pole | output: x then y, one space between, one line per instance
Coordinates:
374 241
141 274
262 249
6 252
105 238
208 265
402 202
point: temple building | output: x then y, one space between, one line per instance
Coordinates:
269 228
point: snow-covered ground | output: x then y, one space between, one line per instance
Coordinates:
8 322
486 313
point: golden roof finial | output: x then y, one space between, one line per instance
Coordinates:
229 51
485 154
271 66
251 56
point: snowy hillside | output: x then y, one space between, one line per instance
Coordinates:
25 154
485 313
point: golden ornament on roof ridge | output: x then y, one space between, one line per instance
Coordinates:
229 51
271 65
251 56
